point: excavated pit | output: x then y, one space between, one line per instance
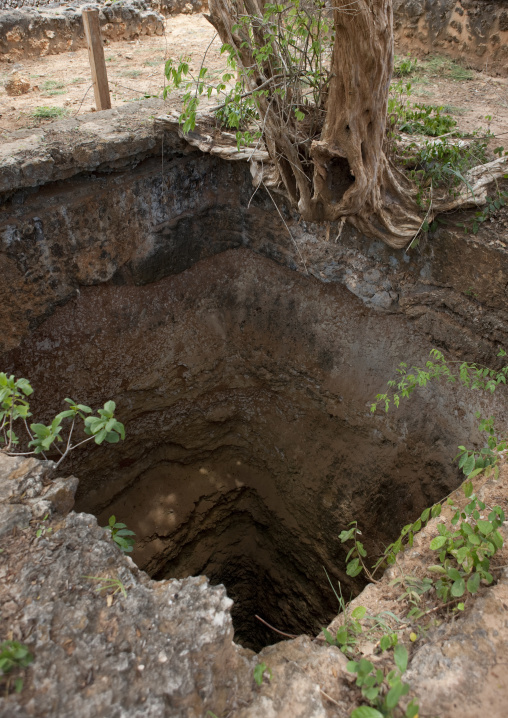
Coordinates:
245 391
244 385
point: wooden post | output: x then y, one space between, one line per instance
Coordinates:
96 57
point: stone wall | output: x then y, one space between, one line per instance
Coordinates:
47 31
472 31
166 7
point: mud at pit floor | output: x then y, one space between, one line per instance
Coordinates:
245 391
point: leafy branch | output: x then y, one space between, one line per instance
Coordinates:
39 438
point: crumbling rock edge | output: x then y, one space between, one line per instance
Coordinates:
166 649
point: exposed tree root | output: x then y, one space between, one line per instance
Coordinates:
382 214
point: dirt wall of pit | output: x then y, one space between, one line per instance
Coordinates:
243 361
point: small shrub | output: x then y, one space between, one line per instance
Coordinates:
121 535
404 66
15 410
236 112
346 637
383 693
108 584
426 120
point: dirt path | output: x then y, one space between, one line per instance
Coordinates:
61 85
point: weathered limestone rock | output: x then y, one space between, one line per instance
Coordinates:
162 649
17 85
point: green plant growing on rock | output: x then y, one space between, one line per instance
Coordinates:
354 559
346 637
262 671
121 535
15 410
473 376
383 692
475 540
414 589
14 656
109 584
466 549
43 529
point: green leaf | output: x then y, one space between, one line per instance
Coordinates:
395 694
436 511
328 636
412 710
65 414
438 542
358 613
354 568
458 588
366 712
342 636
100 436
18 685
436 568
468 489
365 666
454 574
346 535
401 657
473 583
484 526
497 539
259 670
469 465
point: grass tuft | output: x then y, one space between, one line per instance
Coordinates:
45 112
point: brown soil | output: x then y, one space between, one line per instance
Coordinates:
136 69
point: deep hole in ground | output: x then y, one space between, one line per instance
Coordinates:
245 391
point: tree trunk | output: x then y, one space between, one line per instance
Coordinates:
344 174
352 175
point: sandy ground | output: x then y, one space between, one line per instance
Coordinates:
136 69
